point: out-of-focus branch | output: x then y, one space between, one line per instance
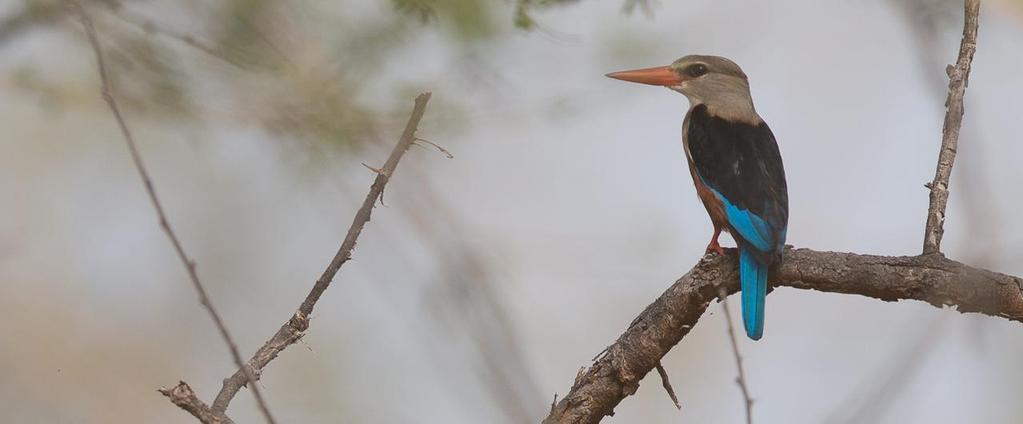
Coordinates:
111 100
740 379
882 389
38 13
466 301
931 278
958 77
294 328
152 27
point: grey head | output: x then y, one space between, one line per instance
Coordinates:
714 81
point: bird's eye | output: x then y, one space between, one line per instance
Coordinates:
696 70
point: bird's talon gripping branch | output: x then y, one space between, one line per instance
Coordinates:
714 246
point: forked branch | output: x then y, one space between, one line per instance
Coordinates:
295 327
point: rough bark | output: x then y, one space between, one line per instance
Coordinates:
184 397
958 79
930 278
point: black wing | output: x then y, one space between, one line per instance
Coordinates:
741 163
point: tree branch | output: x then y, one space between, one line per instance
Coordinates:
184 397
958 78
151 27
666 383
740 379
295 328
930 278
107 90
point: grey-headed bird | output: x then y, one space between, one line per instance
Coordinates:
736 167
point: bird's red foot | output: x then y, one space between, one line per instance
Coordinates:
716 248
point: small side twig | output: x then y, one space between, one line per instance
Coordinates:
108 96
741 379
184 397
295 328
377 171
958 78
438 147
664 383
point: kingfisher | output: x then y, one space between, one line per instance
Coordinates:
736 166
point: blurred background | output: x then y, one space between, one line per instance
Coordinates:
488 279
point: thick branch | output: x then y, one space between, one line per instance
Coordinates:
958 78
294 329
930 278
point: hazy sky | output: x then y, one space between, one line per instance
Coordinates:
571 191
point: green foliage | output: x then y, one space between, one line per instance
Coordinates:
523 11
307 71
240 32
469 20
147 76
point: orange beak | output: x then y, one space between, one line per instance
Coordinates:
661 75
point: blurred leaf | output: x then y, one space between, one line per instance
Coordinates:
147 76
48 94
522 18
470 20
523 11
242 35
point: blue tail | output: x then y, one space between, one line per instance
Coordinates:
753 276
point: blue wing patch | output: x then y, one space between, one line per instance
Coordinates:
751 227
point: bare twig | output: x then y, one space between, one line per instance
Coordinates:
108 96
928 20
664 383
467 299
152 27
295 327
184 397
438 147
931 278
377 171
741 378
958 77
881 389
